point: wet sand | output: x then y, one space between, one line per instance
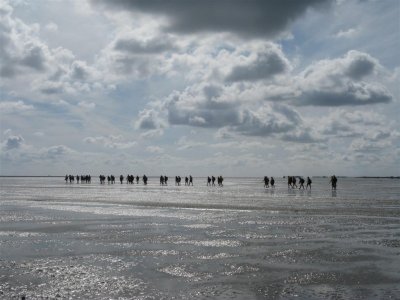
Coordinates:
236 242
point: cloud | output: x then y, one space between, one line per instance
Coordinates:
266 121
337 82
34 66
19 48
16 150
14 107
143 47
271 61
349 94
184 144
340 128
13 142
150 134
364 146
202 116
139 52
111 141
379 135
148 119
51 27
55 152
79 70
224 134
366 126
155 149
256 18
50 87
302 135
349 33
358 65
87 105
222 107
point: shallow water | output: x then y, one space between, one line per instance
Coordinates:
241 241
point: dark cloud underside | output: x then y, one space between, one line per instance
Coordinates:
245 18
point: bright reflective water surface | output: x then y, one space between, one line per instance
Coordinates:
240 241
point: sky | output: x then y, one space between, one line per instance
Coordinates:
227 87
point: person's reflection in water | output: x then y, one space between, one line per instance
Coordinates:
272 192
334 193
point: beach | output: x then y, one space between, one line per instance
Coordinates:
239 241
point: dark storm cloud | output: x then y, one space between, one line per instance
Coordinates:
245 18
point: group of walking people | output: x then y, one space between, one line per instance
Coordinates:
130 179
268 182
211 181
292 182
81 178
178 179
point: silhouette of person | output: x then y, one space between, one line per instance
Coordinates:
290 181
208 180
213 180
301 182
272 182
121 179
333 182
190 180
294 182
266 181
309 181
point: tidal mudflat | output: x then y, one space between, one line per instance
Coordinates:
240 241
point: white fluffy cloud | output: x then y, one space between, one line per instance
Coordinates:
338 82
28 61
